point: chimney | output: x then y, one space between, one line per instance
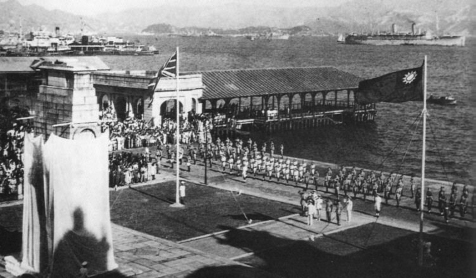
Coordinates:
394 28
57 29
413 28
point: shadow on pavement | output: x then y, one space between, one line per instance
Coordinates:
371 250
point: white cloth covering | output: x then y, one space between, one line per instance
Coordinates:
76 205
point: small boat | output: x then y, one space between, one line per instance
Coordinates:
448 100
341 38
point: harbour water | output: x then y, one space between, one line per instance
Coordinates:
392 143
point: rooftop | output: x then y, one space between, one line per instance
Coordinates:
23 64
257 82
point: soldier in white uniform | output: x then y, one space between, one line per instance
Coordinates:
244 170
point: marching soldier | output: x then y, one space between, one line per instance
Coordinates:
365 185
264 164
223 161
269 169
253 166
231 164
329 206
446 209
277 171
386 191
339 209
327 181
452 202
286 173
429 199
454 188
303 194
418 199
352 186
441 200
238 166
296 175
281 150
337 185
412 186
244 170
398 194
463 204
401 184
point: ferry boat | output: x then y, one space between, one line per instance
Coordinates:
445 100
412 38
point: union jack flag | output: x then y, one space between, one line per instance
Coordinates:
169 69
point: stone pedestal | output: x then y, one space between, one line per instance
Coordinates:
67 103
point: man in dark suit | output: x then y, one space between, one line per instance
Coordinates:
329 206
339 209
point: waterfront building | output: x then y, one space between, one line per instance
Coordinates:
67 94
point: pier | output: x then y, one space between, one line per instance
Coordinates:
277 99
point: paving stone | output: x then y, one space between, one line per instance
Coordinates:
149 274
144 262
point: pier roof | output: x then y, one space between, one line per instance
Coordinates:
256 82
23 64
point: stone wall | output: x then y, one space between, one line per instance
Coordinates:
67 97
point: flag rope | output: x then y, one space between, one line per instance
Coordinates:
438 150
379 168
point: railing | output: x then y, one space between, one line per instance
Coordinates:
308 109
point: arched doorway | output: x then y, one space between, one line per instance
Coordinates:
284 103
104 102
85 134
221 106
121 108
139 108
194 105
296 102
167 109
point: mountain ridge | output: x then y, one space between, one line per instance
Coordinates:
357 16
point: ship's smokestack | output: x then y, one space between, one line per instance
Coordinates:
57 29
413 28
394 28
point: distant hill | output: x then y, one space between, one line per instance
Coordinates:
454 17
378 15
34 17
162 28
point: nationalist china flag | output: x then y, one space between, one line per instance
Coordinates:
400 86
169 69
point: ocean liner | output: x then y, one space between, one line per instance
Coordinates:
412 38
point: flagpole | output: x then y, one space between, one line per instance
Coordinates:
177 134
420 253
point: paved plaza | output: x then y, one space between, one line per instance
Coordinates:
143 255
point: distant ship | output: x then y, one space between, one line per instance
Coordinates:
413 38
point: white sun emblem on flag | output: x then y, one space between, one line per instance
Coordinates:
409 77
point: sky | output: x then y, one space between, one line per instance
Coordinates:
93 7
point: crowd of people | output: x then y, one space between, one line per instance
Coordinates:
236 157
11 152
136 133
127 167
